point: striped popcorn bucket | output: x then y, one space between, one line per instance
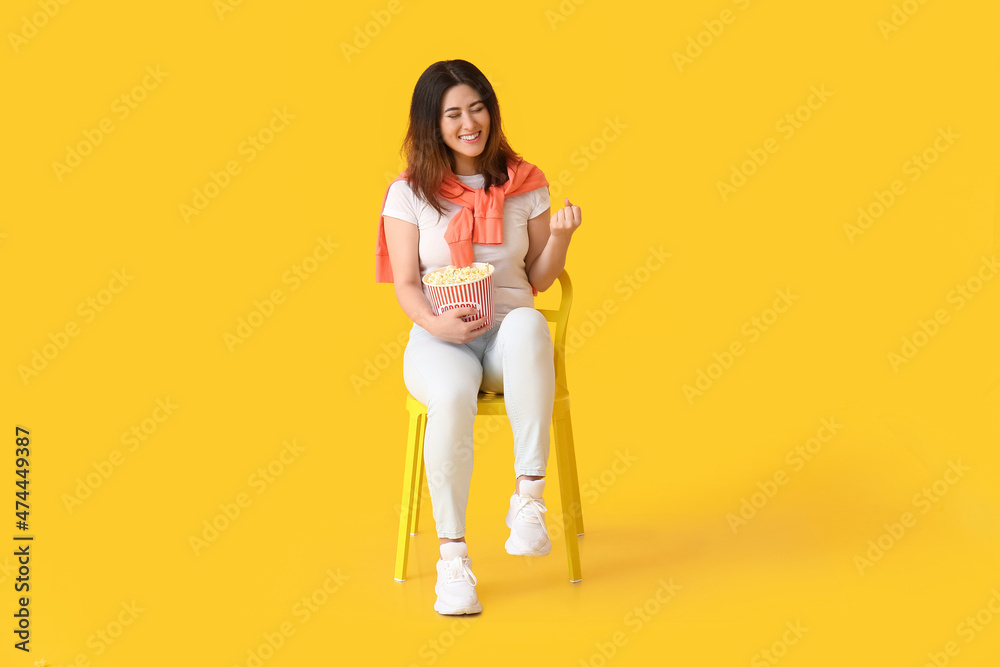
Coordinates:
476 294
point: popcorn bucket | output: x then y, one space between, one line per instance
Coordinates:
476 293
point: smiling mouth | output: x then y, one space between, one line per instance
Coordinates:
469 138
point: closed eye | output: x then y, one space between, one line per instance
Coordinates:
476 110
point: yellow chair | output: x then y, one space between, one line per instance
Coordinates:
492 404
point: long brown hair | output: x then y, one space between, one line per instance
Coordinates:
428 159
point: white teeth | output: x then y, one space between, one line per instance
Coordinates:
468 136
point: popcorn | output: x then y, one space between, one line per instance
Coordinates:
466 287
452 275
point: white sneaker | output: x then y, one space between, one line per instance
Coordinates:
455 588
528 535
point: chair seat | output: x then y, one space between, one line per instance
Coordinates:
492 404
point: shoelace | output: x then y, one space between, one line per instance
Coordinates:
458 570
533 509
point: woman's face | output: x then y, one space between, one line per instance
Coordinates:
465 125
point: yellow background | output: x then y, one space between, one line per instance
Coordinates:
562 73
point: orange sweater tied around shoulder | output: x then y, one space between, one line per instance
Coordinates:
480 219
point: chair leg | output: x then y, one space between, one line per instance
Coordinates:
567 425
406 504
421 429
569 491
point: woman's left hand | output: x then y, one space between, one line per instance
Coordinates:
565 221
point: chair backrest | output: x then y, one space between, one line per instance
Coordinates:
560 317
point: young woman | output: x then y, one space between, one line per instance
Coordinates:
467 196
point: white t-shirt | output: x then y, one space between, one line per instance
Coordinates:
511 288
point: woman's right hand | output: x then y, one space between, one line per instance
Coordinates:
449 327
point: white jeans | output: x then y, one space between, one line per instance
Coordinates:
513 359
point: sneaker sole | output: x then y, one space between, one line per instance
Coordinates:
442 608
516 549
